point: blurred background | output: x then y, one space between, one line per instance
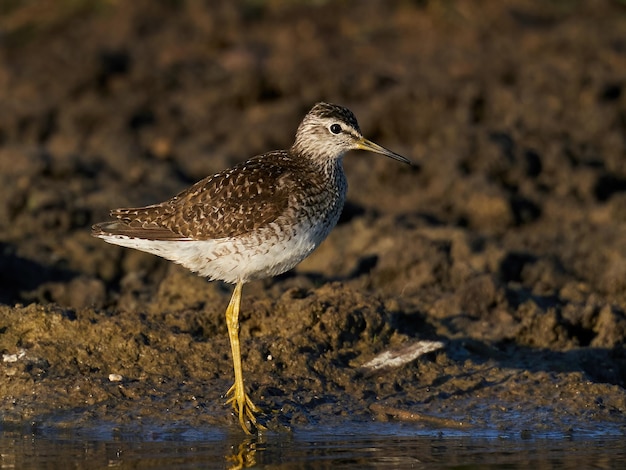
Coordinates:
509 237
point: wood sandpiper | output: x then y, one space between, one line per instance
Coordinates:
253 221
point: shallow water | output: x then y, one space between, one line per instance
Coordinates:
387 445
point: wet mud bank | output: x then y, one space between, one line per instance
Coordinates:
506 245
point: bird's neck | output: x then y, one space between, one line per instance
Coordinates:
327 168
334 174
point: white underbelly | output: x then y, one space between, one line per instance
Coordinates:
258 255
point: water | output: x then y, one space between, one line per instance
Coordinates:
376 445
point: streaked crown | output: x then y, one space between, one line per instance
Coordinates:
327 132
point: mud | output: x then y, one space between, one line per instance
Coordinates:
506 244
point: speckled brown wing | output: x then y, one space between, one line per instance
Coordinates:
227 204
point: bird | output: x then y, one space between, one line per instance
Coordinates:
253 221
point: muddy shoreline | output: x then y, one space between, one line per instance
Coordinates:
506 244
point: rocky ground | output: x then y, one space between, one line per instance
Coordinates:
507 244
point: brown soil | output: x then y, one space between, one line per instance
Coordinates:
508 244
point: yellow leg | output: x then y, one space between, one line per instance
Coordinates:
242 404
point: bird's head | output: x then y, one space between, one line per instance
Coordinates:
328 131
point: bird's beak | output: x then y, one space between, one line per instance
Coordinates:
364 144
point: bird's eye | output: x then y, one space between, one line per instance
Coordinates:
335 128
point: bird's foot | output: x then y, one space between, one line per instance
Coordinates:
244 408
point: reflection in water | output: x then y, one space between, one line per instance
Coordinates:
387 445
244 457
